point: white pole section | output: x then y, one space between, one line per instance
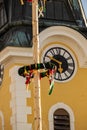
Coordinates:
37 96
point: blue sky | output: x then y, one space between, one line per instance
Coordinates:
84 2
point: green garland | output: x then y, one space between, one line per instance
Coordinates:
28 72
32 67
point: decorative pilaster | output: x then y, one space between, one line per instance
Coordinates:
18 101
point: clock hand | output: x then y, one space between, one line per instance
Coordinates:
54 60
60 69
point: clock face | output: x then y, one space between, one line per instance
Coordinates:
63 61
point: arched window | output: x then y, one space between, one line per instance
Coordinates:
61 120
61 113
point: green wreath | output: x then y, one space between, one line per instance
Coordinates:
47 69
46 66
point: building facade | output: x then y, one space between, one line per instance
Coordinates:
63 42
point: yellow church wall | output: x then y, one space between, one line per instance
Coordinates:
30 102
72 93
5 99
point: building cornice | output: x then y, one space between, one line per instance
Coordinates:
16 55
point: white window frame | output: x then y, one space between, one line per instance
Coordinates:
59 106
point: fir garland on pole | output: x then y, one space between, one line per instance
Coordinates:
29 71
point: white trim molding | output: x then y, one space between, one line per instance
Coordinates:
20 110
68 37
2 119
65 107
11 55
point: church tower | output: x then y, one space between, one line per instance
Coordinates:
63 43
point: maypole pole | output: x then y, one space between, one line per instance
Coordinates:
37 94
33 70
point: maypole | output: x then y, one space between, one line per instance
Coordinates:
33 70
37 94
